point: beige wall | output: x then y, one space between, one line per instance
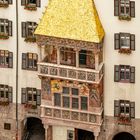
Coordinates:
113 25
60 132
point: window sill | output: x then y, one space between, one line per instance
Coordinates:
30 7
4 103
4 5
3 36
125 51
124 17
30 106
30 39
124 121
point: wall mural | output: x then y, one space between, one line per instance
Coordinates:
46 89
57 85
94 97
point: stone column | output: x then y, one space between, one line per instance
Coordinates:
96 61
96 134
46 131
58 55
77 56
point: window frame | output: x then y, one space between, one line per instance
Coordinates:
6 94
71 96
124 110
29 61
117 72
6 59
35 100
118 4
130 42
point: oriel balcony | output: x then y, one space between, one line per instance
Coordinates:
66 63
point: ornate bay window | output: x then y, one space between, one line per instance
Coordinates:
70 98
68 56
86 59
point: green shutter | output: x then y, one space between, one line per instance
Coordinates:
38 97
117 41
116 108
23 2
23 96
132 42
10 28
38 3
10 97
132 74
116 7
10 1
10 60
24 60
132 9
23 25
116 73
132 108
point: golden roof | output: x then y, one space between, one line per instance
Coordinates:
71 19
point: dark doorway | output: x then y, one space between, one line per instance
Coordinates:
124 136
34 129
83 135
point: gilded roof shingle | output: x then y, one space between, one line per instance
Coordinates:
72 19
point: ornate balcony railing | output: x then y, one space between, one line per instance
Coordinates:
70 73
72 115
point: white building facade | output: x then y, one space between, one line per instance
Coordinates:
21 81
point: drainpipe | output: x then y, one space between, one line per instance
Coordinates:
17 49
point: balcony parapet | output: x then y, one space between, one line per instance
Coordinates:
71 73
71 115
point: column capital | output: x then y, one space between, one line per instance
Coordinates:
96 134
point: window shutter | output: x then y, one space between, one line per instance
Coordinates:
10 60
24 29
23 2
38 3
132 42
36 61
116 7
132 107
116 108
10 97
132 74
10 28
38 97
132 11
116 73
23 96
24 60
117 41
10 1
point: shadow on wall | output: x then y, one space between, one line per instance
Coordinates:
124 136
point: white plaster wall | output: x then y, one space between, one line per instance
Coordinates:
28 78
7 75
60 132
112 25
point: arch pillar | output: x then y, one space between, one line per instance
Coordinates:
48 132
96 134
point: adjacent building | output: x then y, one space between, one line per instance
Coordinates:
68 71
